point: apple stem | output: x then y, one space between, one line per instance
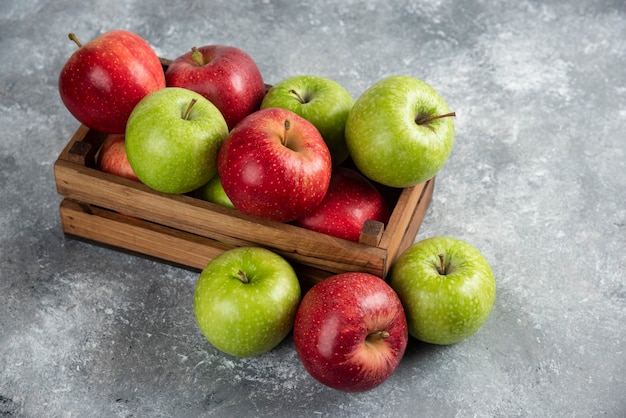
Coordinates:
295 93
196 55
243 277
378 335
75 39
428 119
442 265
287 126
188 111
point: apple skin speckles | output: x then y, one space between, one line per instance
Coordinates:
104 79
350 201
385 140
246 319
444 306
350 331
227 76
270 177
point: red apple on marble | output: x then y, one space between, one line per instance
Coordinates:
275 165
350 331
225 75
104 79
112 157
351 200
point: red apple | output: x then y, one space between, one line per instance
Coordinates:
225 75
350 331
112 157
104 79
351 200
275 165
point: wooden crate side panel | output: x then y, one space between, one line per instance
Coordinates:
408 222
121 231
105 227
203 218
414 226
401 216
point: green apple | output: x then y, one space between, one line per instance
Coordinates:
447 289
173 136
321 101
246 300
400 131
213 192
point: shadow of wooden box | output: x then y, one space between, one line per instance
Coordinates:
186 231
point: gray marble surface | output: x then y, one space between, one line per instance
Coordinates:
536 181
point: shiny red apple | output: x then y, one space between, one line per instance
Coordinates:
275 165
350 331
351 200
225 75
104 79
112 157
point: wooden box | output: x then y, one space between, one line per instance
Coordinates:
187 231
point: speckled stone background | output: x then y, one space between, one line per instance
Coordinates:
536 181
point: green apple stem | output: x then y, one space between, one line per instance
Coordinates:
75 39
300 98
196 55
243 277
428 119
442 265
287 126
188 111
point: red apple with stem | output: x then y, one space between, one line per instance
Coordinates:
112 157
351 200
225 75
350 331
275 165
104 79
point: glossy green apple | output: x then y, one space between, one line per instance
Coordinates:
214 192
447 289
173 136
246 300
321 101
400 132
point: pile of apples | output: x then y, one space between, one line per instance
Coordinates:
208 125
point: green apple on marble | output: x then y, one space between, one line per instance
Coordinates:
173 136
447 289
245 301
400 131
320 100
213 192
